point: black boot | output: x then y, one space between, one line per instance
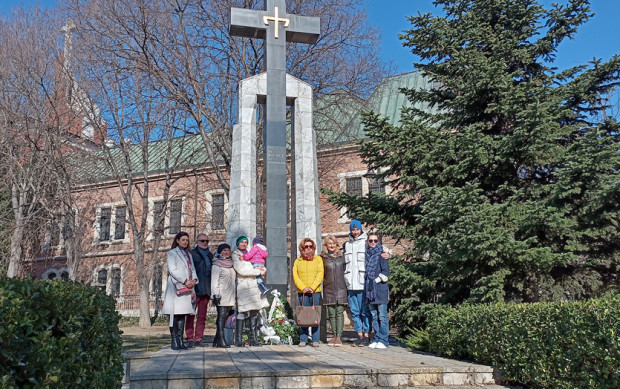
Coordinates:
173 337
239 333
180 325
264 289
220 341
254 331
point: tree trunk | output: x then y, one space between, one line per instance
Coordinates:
145 312
17 236
15 258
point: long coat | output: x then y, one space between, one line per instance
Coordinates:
334 286
178 272
248 294
223 283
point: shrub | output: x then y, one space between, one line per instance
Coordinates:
551 345
58 334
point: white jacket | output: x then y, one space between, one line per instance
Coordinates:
178 272
355 259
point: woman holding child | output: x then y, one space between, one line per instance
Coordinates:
249 300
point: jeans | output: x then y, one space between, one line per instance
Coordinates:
202 301
359 311
380 322
259 279
316 331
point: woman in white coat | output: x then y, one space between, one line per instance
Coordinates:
223 291
249 300
181 275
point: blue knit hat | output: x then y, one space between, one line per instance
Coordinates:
259 239
355 224
240 239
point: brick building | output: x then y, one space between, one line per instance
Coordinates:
198 204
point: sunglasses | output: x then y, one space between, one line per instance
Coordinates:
373 241
203 241
308 247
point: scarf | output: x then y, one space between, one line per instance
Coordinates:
372 270
219 260
308 257
188 259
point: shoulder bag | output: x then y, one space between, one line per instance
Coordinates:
308 315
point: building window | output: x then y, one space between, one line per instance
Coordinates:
111 224
109 278
217 212
376 186
119 223
53 273
354 186
158 217
116 282
359 183
176 207
104 224
102 277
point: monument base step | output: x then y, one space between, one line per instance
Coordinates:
285 366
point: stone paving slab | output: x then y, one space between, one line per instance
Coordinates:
285 366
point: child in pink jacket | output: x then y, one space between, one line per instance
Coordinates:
257 256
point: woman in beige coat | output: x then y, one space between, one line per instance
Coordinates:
223 291
181 274
249 300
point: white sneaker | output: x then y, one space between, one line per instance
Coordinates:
373 345
380 346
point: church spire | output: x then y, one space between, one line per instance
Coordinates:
68 29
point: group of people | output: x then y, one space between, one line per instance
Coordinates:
355 275
230 278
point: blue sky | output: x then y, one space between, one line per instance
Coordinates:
599 38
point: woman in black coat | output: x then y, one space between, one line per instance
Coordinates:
334 287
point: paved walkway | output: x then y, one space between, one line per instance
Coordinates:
285 366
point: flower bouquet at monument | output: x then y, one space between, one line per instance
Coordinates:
278 319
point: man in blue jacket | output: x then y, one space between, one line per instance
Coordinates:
202 262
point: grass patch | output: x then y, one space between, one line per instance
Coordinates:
145 343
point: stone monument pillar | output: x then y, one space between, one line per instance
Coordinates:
242 197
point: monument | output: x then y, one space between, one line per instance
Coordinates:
276 27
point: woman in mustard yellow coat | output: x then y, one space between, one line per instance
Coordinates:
308 275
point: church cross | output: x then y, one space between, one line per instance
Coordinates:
68 29
277 20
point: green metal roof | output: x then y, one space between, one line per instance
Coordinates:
338 116
337 121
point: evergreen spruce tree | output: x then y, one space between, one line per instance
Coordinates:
509 190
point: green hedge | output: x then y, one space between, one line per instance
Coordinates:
58 335
550 345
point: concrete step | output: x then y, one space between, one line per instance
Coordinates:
285 366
